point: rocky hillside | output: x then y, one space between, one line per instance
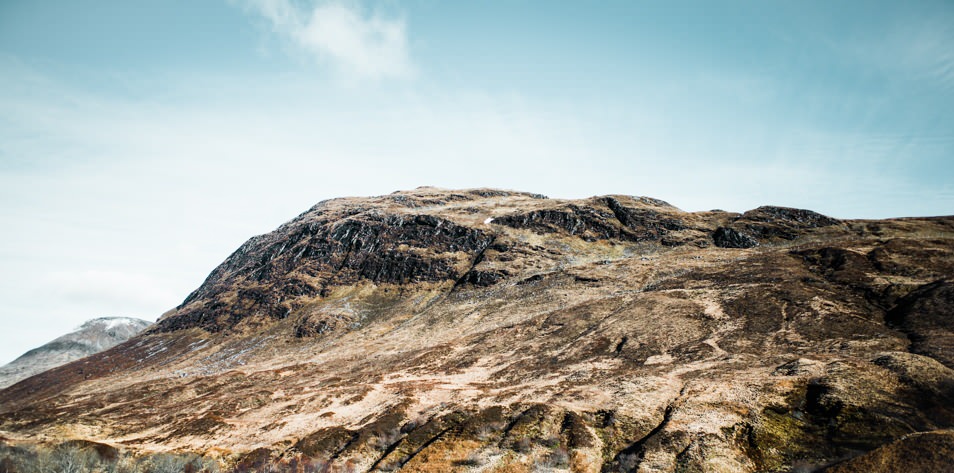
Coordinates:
488 330
93 336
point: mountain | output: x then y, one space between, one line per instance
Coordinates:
93 336
489 330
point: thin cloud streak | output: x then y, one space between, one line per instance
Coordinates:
919 49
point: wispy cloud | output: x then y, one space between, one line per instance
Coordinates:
931 51
918 48
356 41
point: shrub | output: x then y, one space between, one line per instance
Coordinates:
557 458
80 457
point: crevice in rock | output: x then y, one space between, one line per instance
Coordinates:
477 260
630 457
420 449
618 211
510 425
573 429
596 325
683 457
637 447
620 345
387 451
349 443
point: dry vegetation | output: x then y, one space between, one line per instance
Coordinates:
411 332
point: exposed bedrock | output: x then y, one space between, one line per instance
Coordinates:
499 331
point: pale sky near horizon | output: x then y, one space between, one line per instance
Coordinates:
142 142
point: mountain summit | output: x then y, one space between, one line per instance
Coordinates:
491 330
93 336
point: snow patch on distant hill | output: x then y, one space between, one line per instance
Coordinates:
109 323
91 337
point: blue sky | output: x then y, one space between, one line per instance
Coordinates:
141 142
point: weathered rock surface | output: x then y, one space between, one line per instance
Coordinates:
93 336
487 330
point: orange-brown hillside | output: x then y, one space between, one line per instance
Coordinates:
488 330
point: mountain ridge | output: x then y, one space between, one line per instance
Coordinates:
488 330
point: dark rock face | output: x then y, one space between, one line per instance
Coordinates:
637 224
604 219
588 223
483 278
314 325
271 275
788 217
646 224
780 222
768 223
725 237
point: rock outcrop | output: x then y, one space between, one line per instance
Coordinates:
488 330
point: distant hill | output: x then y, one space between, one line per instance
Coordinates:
93 336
